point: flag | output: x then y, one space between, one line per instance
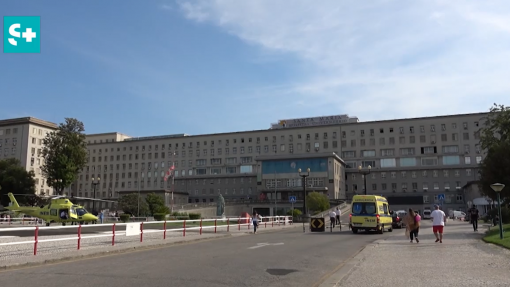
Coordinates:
169 172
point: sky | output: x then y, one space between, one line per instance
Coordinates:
147 68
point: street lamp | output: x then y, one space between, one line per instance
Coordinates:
55 181
498 187
94 183
364 173
304 176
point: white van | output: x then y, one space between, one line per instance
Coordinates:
459 214
426 214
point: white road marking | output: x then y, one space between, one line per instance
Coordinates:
264 244
8 237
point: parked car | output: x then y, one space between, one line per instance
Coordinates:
397 220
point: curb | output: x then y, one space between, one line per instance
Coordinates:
122 250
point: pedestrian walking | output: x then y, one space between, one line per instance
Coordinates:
338 214
438 222
473 217
413 225
332 218
255 221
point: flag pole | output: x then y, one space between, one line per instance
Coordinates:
173 181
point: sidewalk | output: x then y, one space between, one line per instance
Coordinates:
463 259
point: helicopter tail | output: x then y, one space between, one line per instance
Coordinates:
14 202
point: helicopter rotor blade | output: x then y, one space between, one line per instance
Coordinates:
92 199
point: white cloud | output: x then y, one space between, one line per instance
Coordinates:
378 59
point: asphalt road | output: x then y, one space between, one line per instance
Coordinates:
283 258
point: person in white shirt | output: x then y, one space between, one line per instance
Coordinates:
338 213
332 218
438 220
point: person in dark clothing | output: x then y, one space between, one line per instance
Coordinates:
473 216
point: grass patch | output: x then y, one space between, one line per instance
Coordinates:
493 236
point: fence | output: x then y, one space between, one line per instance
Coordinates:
175 226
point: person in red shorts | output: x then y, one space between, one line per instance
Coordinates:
438 220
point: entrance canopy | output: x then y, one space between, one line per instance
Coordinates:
483 201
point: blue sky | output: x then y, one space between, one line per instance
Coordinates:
164 67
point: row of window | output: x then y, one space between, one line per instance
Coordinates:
410 129
413 161
196 171
406 187
413 174
294 182
8 131
134 184
448 149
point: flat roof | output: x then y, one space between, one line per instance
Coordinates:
28 120
292 128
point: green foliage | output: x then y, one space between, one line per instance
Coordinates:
179 215
505 214
16 179
159 216
317 201
193 216
495 168
496 127
156 204
124 217
294 212
65 154
129 204
495 140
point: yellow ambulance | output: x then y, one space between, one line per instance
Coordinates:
370 213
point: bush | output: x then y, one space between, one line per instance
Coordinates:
505 214
159 216
193 216
294 212
124 217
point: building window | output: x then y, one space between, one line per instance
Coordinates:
388 162
450 160
429 161
368 153
410 161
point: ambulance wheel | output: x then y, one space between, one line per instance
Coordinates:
381 231
391 229
47 224
354 230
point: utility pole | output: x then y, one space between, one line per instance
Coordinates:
275 197
139 184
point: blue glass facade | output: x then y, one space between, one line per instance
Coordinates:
292 166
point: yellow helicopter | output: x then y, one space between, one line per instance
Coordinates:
60 209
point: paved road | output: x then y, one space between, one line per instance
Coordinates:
291 258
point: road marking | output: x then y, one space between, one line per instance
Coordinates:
264 244
8 237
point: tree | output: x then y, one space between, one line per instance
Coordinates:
496 128
16 179
317 201
65 154
495 141
495 168
156 204
129 204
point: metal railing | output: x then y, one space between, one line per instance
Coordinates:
175 226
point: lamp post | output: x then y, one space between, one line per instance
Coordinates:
364 173
498 187
304 176
94 183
